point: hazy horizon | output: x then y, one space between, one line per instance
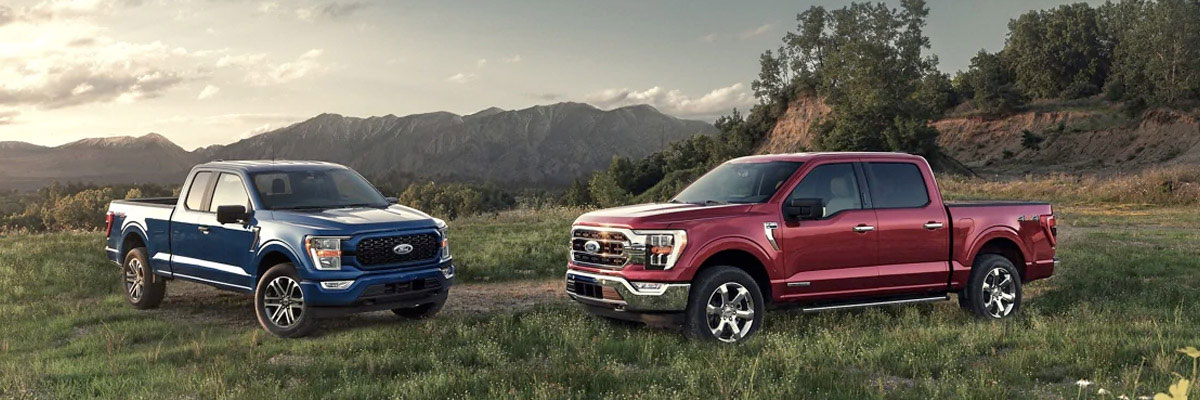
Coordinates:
206 72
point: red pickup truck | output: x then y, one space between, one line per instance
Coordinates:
821 230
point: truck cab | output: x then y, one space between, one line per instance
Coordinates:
819 230
306 239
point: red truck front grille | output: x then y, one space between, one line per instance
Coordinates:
599 248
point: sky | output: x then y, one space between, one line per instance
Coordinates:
204 72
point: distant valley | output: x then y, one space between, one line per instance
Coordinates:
544 146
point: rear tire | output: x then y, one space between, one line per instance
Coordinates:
143 289
423 311
725 304
994 290
279 303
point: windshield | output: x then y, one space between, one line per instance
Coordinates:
738 183
332 188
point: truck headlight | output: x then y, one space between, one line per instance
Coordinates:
326 251
663 248
442 228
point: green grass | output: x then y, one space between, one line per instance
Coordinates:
1127 296
518 244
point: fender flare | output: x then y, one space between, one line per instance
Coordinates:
998 232
133 227
731 243
276 246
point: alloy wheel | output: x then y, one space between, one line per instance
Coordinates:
135 279
730 312
999 292
283 301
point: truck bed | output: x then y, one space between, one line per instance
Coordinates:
150 201
994 203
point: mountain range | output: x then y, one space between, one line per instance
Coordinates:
549 145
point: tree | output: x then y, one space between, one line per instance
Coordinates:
578 195
991 84
1060 52
1157 51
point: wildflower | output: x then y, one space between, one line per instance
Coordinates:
1083 383
1123 397
1190 351
1102 392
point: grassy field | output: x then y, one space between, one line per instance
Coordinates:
1127 296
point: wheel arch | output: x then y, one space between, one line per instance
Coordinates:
741 254
271 254
1006 244
132 236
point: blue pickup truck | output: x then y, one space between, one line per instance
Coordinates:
306 239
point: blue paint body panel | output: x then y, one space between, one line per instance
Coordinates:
191 245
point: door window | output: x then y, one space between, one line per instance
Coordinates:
896 185
195 195
834 184
229 192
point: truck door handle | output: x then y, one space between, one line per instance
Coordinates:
933 225
864 228
203 229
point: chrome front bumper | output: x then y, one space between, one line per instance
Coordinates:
616 293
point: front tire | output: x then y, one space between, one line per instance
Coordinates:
143 289
725 304
279 303
994 290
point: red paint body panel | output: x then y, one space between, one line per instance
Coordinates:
827 259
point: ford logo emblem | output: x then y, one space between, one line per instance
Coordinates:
592 246
402 249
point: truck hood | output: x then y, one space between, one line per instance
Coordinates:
650 216
357 220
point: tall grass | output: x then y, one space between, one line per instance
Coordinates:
1179 185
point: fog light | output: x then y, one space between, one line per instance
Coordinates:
448 271
644 286
336 285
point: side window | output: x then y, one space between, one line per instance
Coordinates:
835 184
896 185
195 195
229 192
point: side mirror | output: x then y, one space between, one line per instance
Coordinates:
232 214
393 200
803 209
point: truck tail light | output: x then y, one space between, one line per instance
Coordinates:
326 252
108 223
1050 224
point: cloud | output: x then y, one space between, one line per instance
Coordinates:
544 96
58 65
674 102
262 72
755 32
7 15
342 9
480 63
333 10
712 37
8 117
268 6
515 58
461 78
208 92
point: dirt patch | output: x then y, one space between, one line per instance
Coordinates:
485 298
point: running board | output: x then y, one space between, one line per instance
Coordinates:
876 303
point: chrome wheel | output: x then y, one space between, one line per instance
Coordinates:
135 279
999 292
283 301
730 312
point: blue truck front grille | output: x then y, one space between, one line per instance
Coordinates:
377 251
